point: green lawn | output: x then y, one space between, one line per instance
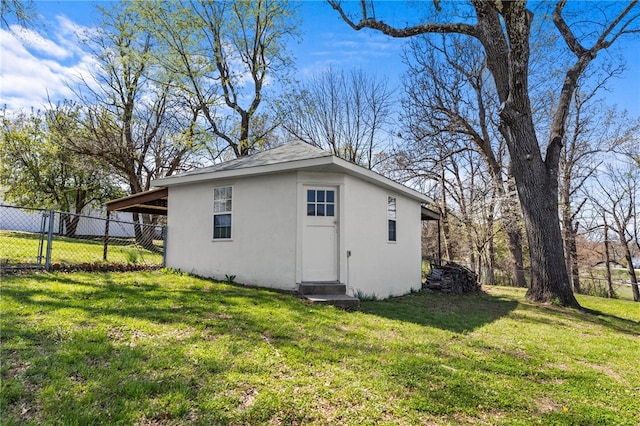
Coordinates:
22 248
166 348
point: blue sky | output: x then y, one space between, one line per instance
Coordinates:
37 64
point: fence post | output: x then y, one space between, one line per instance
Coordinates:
106 237
43 226
47 262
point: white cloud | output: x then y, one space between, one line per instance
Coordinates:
33 41
370 51
35 67
70 32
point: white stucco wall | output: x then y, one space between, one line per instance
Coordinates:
262 250
376 266
267 233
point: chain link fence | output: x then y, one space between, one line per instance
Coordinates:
46 239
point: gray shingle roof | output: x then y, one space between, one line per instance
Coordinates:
293 151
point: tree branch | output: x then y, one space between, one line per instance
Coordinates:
374 24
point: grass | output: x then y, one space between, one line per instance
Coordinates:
22 248
166 348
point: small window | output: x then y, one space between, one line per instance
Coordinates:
321 202
391 218
222 212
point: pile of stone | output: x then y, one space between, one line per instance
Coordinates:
452 278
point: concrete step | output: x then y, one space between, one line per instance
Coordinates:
332 287
339 300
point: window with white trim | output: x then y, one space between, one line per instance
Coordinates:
222 206
391 218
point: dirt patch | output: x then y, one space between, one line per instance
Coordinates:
546 405
608 371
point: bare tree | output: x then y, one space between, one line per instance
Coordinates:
464 195
592 131
627 145
349 114
504 29
616 196
474 197
133 121
23 11
448 92
576 166
226 55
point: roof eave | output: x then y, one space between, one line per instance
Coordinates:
373 177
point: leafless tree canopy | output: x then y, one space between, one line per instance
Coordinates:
225 56
349 114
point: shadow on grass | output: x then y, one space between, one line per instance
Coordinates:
156 348
463 314
622 325
558 316
460 314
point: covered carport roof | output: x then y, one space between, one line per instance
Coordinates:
153 201
428 214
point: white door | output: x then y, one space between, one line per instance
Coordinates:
320 234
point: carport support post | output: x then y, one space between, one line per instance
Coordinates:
106 237
47 261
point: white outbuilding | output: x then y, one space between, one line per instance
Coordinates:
292 216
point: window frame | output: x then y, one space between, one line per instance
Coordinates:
226 212
392 219
323 205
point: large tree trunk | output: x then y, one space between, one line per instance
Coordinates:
549 277
537 186
145 231
536 177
